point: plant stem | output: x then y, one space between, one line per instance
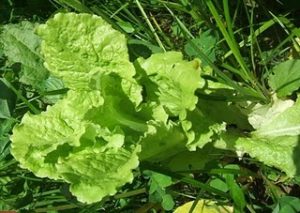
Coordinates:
32 108
130 193
150 25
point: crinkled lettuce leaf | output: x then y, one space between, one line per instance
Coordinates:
118 109
280 152
161 141
278 136
224 112
61 144
275 141
171 81
78 46
262 115
286 121
200 129
61 124
96 173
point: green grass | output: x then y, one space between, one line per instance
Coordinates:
250 38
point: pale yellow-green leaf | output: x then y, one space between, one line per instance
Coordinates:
204 206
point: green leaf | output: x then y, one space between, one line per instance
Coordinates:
52 84
22 46
235 191
200 129
167 202
158 181
7 101
219 184
117 110
139 48
162 141
288 204
261 115
193 161
95 173
279 152
92 137
4 109
5 128
285 78
77 47
206 42
171 81
60 144
222 111
281 119
157 190
126 26
38 135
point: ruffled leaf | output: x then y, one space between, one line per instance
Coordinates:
61 144
284 122
78 46
200 129
280 152
162 141
171 81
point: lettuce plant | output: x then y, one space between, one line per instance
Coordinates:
94 136
118 113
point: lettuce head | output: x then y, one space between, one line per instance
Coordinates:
92 138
